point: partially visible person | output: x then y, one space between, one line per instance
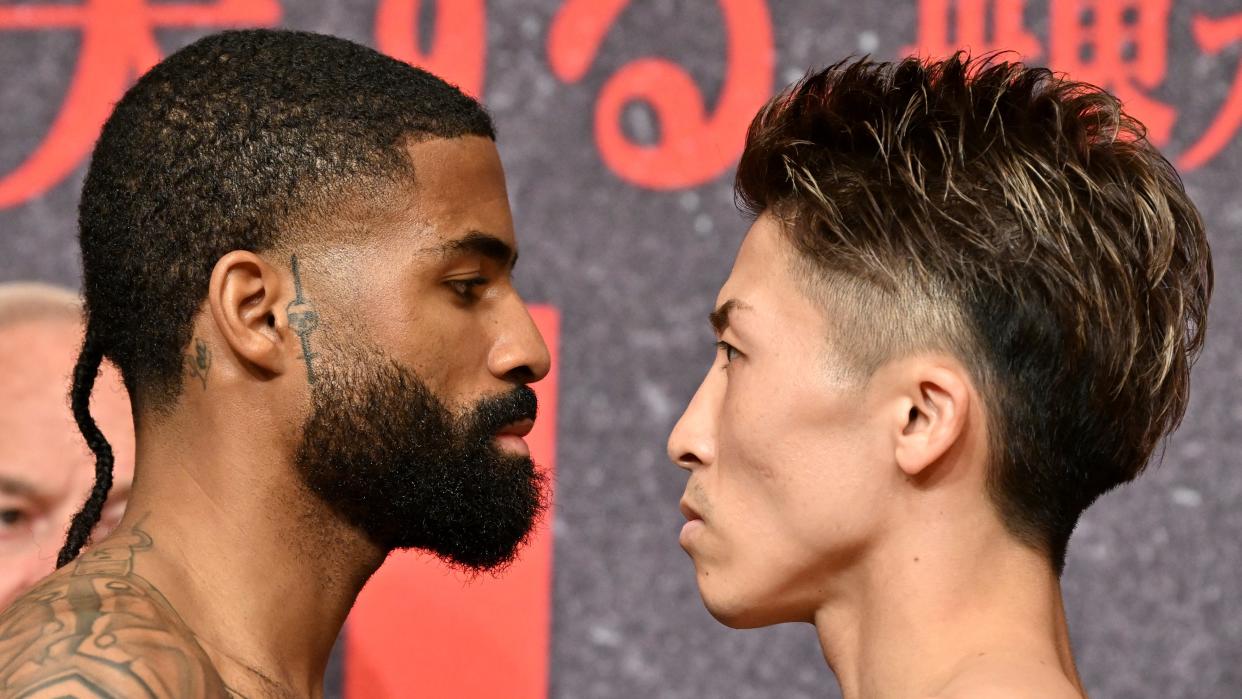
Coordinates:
968 307
46 468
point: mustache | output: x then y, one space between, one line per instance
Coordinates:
490 414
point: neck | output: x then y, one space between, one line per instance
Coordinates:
254 564
940 604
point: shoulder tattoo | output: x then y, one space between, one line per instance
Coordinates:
102 632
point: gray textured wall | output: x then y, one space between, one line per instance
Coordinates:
1152 582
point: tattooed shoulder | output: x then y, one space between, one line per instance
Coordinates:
95 629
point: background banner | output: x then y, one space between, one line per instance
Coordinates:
619 124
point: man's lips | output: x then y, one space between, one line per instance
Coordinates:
521 428
510 437
694 524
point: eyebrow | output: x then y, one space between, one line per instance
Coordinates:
15 486
480 243
720 317
10 485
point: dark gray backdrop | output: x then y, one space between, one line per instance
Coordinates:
1152 582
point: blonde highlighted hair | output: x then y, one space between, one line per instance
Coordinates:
1012 216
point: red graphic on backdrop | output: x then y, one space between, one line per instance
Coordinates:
118 44
1212 35
694 147
970 30
1120 45
458 51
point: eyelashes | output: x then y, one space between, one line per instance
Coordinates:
730 352
467 289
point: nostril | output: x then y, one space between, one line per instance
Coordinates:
689 459
523 374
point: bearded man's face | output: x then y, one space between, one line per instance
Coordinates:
383 451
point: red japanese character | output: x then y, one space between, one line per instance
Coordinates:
694 147
1212 35
118 44
970 30
457 53
1120 45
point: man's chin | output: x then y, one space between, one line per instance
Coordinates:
491 561
512 445
738 616
739 609
492 555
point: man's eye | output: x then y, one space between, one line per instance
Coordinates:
730 352
11 517
466 288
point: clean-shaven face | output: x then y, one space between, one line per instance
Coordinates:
786 460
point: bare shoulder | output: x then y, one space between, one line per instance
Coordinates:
999 677
96 630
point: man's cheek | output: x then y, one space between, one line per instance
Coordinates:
749 440
459 382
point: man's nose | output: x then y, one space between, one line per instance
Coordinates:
518 352
693 440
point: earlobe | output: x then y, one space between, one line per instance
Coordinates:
244 300
937 409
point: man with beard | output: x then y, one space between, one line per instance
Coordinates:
298 253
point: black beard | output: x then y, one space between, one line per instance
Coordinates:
382 451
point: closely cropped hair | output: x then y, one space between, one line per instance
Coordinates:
1017 219
243 140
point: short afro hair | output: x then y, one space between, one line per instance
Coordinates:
236 142
226 145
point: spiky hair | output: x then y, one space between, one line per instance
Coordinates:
1018 219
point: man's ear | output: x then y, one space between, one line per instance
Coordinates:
244 300
937 408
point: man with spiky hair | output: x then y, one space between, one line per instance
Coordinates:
298 252
967 307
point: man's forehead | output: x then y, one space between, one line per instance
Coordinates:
451 173
759 266
44 461
38 351
458 193
762 287
40 330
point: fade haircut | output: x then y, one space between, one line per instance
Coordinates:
1016 219
244 140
